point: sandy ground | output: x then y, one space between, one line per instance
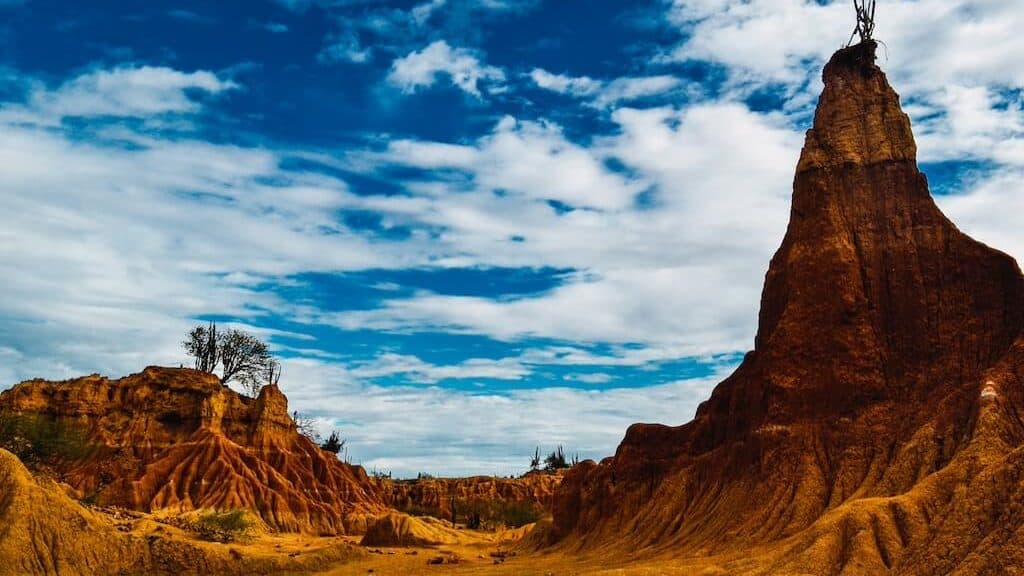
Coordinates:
474 553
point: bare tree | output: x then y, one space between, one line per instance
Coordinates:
306 426
254 381
242 356
865 20
202 344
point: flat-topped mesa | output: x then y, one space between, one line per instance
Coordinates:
177 439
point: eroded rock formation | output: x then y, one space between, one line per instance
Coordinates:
875 427
177 439
435 495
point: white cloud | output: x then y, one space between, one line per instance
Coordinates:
990 210
683 270
531 159
650 306
563 84
974 123
590 378
626 89
420 69
605 94
418 371
431 429
128 92
120 239
421 13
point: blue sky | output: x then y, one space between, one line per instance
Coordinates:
468 227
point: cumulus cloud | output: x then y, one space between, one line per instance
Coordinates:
120 239
605 94
128 92
397 428
682 269
421 69
533 160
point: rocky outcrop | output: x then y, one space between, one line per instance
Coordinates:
436 494
400 530
176 439
875 427
44 532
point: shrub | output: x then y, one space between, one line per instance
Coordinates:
535 460
40 439
306 426
556 460
492 514
223 525
334 443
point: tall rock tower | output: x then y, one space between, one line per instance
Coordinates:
887 374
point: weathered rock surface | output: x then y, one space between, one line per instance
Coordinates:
43 531
876 426
436 494
399 530
176 439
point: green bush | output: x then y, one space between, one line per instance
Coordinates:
492 514
39 439
223 525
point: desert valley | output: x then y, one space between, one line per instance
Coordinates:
875 428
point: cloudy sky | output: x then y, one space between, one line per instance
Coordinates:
469 227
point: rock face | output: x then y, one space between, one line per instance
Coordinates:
436 494
875 427
177 439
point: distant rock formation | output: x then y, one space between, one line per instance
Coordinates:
876 426
177 439
436 494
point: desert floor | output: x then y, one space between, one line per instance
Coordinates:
477 553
